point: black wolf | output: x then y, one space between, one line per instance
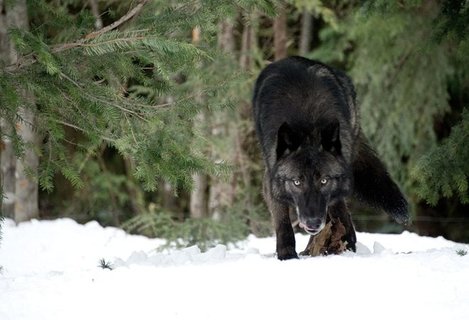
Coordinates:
315 154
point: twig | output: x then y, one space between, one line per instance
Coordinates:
81 129
81 43
131 129
117 23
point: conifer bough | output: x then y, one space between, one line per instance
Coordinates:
30 59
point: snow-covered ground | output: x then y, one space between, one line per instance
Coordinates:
50 271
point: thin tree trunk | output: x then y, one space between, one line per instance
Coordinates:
280 34
8 158
98 22
137 201
198 202
8 161
243 133
198 199
169 199
25 187
248 44
306 33
226 40
26 190
221 193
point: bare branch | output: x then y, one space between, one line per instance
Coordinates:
117 23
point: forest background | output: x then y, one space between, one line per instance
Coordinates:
137 113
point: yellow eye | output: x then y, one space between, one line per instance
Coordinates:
296 182
323 181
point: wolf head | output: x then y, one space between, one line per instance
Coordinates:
310 173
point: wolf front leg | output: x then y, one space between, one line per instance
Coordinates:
284 232
282 224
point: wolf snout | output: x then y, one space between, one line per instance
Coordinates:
312 226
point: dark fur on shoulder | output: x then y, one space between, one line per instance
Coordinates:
315 154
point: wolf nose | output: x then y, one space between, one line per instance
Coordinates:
314 224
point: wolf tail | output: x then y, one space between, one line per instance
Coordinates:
374 186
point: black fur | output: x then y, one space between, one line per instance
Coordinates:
315 154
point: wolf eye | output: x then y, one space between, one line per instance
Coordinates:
323 181
296 182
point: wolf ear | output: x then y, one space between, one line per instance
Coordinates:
330 138
287 140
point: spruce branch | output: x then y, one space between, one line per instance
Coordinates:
32 58
67 124
103 101
131 128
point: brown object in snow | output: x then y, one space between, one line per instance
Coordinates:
328 241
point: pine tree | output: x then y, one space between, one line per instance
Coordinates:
443 172
403 58
21 190
111 85
120 76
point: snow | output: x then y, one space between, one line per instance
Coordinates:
50 271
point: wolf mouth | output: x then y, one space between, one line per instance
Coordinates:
312 231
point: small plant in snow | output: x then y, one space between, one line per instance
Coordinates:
461 252
103 264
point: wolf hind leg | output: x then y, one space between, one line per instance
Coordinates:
283 229
374 186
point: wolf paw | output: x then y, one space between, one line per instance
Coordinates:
351 246
287 254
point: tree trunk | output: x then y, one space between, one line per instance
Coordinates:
280 34
98 21
8 164
8 161
306 33
198 198
226 40
169 200
25 188
248 44
244 133
137 200
8 158
198 203
26 199
221 193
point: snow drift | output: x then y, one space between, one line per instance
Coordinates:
50 270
